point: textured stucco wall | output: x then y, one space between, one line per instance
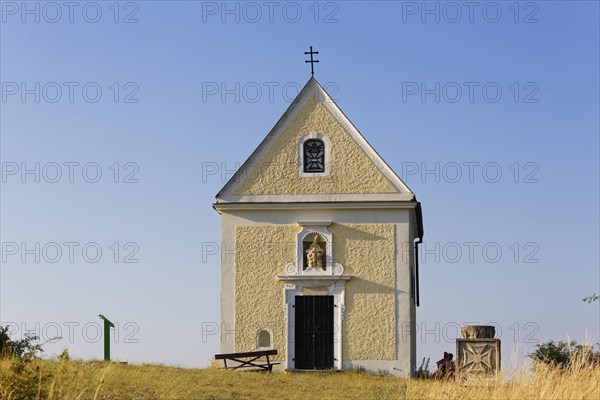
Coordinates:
368 253
277 171
261 253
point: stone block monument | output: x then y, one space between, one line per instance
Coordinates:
478 355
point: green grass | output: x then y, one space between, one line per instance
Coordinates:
82 380
96 380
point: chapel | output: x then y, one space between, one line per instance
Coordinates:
319 247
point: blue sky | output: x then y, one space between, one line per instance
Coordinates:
190 88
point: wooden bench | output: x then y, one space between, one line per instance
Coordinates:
250 359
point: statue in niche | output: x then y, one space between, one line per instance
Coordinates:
314 254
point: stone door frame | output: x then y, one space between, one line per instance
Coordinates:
332 285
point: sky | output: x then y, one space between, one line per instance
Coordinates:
120 121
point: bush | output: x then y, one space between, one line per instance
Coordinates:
24 348
22 375
64 356
563 354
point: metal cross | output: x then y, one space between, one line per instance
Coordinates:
311 61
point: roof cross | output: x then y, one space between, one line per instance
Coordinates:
311 61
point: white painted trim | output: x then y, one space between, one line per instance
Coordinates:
323 197
227 298
314 223
317 278
327 237
336 287
408 205
327 158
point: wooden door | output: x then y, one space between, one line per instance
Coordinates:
313 332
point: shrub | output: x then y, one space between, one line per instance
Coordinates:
24 348
563 354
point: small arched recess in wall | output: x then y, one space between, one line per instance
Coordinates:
264 339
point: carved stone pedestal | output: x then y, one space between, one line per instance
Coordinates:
478 358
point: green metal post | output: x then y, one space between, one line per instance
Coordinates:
107 326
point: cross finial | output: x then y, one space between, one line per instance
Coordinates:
311 61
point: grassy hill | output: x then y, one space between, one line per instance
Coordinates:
97 380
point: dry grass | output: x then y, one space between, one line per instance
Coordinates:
99 380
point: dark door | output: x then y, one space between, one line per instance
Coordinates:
313 332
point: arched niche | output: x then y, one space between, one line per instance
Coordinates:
314 252
264 339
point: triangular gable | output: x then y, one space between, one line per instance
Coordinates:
357 172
